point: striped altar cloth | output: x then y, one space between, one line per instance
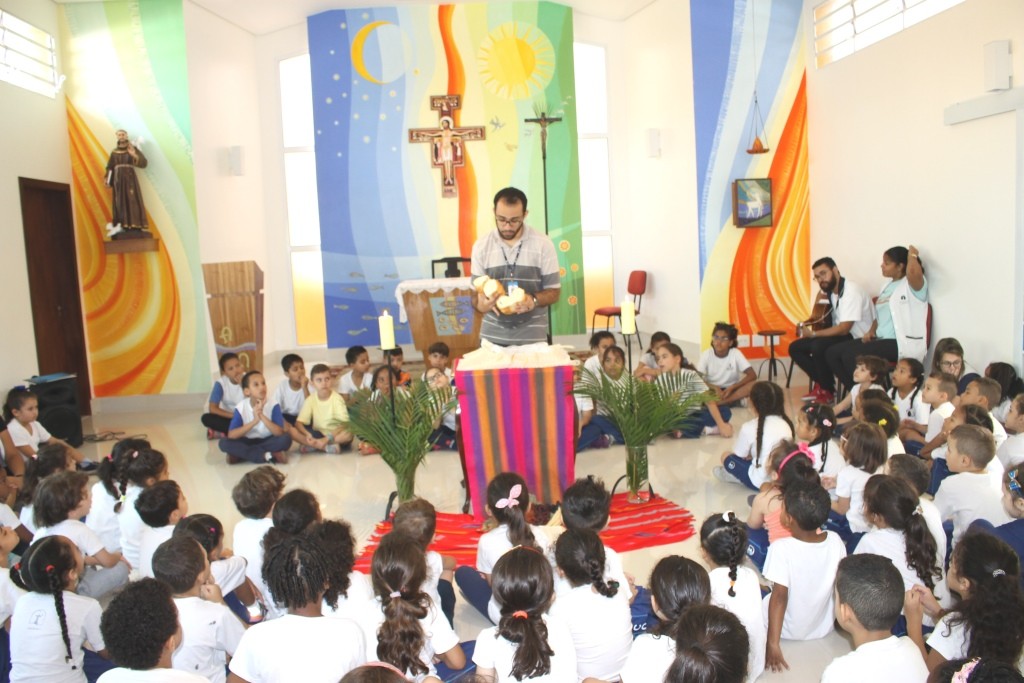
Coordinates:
518 420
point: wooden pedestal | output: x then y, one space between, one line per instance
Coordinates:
234 295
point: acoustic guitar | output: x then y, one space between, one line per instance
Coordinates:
821 315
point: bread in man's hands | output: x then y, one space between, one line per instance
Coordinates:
507 303
488 286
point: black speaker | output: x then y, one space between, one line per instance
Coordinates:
58 409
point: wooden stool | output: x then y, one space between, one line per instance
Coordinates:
770 336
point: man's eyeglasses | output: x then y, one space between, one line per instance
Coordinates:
514 222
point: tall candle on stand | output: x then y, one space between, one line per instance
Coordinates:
627 319
387 331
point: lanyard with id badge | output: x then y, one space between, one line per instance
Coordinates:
511 284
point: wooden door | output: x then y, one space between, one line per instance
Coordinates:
53 282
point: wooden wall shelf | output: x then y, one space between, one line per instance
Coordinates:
130 246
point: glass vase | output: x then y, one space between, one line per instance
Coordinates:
636 474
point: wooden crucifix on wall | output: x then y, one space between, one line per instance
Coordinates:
447 140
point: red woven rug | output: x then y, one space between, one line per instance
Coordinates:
632 527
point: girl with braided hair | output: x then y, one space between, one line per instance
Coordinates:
677 584
723 543
528 644
303 645
51 622
815 424
748 463
141 469
106 492
600 623
403 626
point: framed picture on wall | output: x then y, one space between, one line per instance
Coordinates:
752 203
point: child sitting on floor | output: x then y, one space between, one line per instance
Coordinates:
359 377
686 383
908 394
647 370
397 361
748 462
1010 385
1013 503
160 507
292 391
102 518
864 449
723 544
418 520
883 413
712 645
870 372
802 569
438 355
348 591
787 464
939 392
968 495
143 469
724 368
869 599
814 425
257 431
225 397
22 412
914 471
1011 453
254 496
227 570
50 460
985 392
210 631
322 419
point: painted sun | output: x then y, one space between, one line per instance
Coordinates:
516 61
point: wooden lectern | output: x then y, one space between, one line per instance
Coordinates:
234 295
440 310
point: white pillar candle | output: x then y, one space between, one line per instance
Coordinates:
387 331
627 318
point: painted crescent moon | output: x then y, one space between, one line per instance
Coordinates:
357 50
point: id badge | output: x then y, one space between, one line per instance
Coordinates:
512 287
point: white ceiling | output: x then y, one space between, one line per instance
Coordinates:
260 17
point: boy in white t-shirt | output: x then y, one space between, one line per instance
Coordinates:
359 377
802 569
438 355
226 394
258 431
867 374
292 391
869 600
939 392
724 368
141 632
160 507
254 496
985 392
210 631
968 495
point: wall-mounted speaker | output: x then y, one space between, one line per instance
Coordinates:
58 409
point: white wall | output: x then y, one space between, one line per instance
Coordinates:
885 170
225 108
33 144
655 212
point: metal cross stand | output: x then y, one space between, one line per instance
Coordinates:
394 418
543 120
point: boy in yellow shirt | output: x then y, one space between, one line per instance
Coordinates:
321 422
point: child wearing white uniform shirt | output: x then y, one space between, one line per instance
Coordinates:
748 463
522 581
210 632
723 543
254 496
397 573
968 495
106 493
802 569
600 623
160 507
869 599
348 591
418 519
143 469
292 391
864 448
45 647
319 649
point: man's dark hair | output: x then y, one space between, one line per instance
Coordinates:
510 195
824 261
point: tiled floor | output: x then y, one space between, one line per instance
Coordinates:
356 488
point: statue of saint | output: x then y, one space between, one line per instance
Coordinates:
129 211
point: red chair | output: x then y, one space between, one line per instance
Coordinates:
637 287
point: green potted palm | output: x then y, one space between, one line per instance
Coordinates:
400 426
644 411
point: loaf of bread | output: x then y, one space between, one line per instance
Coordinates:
488 286
507 303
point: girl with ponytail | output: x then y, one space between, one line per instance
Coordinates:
51 622
600 623
900 532
508 503
527 644
141 469
106 493
723 543
677 585
748 462
986 622
405 628
815 424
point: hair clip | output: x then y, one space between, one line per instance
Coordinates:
882 422
17 566
49 568
135 454
827 422
513 498
801 449
1012 481
213 530
965 671
997 573
728 516
395 594
110 457
520 614
918 510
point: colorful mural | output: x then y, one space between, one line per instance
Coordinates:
144 312
420 117
757 278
